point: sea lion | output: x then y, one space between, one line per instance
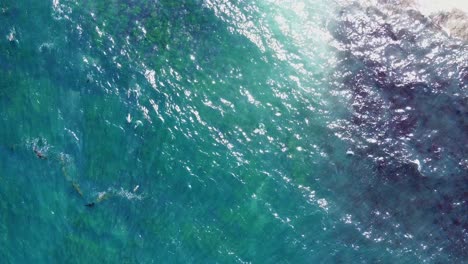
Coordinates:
39 154
76 186
102 196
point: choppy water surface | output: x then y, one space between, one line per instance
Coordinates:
224 131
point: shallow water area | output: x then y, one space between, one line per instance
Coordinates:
224 131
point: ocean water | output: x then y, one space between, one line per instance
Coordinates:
231 131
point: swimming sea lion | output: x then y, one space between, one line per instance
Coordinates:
76 186
39 154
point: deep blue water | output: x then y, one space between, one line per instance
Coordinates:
224 131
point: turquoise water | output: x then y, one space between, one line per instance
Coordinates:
225 131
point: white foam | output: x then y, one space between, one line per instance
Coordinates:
128 194
150 76
428 7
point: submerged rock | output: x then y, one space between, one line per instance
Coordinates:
455 22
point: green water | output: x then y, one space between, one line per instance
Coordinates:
200 131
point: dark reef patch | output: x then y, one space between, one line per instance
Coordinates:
408 102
